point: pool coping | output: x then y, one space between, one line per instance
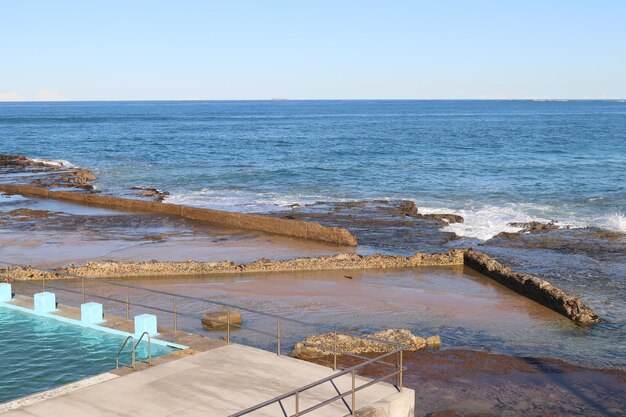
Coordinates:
56 391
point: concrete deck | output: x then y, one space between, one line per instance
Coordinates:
218 382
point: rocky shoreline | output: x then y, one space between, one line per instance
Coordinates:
395 225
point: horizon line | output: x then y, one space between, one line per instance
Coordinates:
305 99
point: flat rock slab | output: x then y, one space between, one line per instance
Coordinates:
214 383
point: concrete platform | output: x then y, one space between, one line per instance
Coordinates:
219 382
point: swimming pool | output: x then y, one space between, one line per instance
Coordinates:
39 353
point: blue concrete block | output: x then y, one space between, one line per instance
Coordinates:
145 323
45 302
91 313
5 292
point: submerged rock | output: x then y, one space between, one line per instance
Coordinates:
218 320
30 213
318 345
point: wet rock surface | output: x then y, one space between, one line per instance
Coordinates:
30 213
592 241
156 194
530 227
479 383
318 345
390 226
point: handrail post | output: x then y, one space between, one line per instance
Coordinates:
354 392
400 382
297 403
228 325
175 315
278 335
335 350
134 359
82 283
149 351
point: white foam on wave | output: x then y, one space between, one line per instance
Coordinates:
487 221
616 222
480 222
238 200
60 163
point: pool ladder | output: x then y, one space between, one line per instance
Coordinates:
134 345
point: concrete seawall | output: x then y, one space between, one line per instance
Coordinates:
293 228
532 287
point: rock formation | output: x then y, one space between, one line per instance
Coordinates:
318 345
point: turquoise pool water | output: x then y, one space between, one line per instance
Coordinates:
40 353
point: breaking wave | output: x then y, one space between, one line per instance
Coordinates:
481 222
238 200
616 222
54 162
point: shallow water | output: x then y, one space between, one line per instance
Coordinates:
465 308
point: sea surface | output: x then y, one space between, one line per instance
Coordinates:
493 162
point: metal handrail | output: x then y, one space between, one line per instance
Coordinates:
133 352
149 361
351 370
119 352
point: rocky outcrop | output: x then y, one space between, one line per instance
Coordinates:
318 345
535 226
448 218
50 174
158 195
165 268
532 287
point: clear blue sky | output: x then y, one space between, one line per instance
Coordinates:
110 50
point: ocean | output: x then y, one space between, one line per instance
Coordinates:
494 162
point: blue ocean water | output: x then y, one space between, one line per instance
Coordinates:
491 161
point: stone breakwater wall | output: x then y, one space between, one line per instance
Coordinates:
532 287
286 227
114 269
